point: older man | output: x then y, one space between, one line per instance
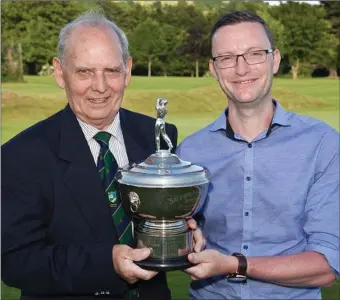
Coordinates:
64 233
272 213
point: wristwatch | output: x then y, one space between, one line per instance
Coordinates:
241 273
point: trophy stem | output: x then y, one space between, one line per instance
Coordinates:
170 241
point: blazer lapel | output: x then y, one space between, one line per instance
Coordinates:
82 178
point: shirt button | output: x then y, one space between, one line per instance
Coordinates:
246 214
250 145
248 178
245 247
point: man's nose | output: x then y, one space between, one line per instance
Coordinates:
241 67
99 83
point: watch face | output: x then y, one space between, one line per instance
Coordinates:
237 278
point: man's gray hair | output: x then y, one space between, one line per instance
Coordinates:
92 18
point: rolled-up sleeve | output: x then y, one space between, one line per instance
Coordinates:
322 225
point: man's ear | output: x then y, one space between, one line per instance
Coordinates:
212 69
276 60
128 69
58 73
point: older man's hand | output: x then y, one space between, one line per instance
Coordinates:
123 262
199 240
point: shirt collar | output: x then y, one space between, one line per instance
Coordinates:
281 118
221 122
114 129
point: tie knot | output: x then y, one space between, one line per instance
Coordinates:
103 137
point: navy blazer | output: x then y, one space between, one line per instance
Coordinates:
57 230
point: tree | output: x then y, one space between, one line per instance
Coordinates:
304 27
36 25
127 15
11 62
147 42
195 45
177 22
13 23
327 53
276 27
172 38
332 9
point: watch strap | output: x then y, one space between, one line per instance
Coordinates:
242 264
240 276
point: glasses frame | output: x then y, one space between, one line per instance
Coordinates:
270 50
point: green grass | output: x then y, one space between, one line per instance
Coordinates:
193 103
325 88
45 85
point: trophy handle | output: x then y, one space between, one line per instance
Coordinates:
134 201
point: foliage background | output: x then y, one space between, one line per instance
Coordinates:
172 40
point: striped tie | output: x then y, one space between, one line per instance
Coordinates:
107 167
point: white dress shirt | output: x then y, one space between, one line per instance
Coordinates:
116 143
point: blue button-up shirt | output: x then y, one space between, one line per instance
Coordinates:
277 195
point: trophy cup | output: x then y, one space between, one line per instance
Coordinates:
161 193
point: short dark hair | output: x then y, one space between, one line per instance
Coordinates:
237 17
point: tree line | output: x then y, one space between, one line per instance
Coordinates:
171 40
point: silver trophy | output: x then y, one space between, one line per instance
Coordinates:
161 193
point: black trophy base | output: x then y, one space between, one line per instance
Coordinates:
154 264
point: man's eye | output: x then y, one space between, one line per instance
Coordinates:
83 71
256 53
114 70
226 58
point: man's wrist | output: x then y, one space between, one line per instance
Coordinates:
240 275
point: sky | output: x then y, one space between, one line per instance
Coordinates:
278 2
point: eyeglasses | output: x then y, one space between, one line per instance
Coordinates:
251 58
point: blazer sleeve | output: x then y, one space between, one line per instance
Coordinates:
32 262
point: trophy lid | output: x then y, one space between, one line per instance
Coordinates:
163 170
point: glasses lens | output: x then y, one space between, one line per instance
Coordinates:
226 61
255 57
